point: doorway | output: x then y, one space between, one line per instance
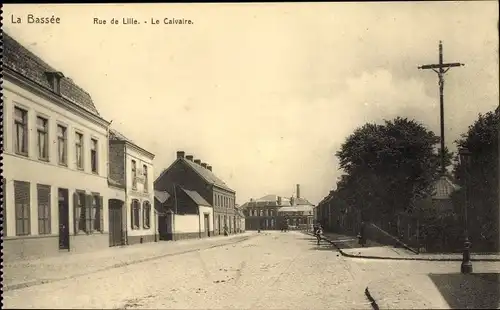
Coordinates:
63 205
207 225
115 222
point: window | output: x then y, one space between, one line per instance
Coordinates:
88 212
79 150
97 213
146 214
43 193
93 155
22 202
134 174
42 138
61 145
146 184
21 131
134 216
81 213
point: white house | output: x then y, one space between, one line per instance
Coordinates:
183 214
55 160
131 167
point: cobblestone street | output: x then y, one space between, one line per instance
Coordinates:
272 270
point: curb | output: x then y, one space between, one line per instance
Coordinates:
123 264
371 299
429 259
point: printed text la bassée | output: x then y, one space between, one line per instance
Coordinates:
34 19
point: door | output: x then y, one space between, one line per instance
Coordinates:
63 204
207 226
115 222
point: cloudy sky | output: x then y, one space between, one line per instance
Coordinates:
267 93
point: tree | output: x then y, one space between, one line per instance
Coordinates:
481 140
389 165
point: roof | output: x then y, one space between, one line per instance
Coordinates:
161 196
196 198
443 188
117 136
304 208
240 212
206 174
19 59
302 201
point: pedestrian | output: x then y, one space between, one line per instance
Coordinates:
319 232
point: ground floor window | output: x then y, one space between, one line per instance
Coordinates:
22 204
134 214
146 214
88 212
43 193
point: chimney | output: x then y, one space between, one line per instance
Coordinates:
209 167
197 161
180 154
189 157
204 165
298 190
279 201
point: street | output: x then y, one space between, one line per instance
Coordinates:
271 270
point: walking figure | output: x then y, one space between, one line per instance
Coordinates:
318 232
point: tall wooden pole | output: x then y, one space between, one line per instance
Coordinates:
441 69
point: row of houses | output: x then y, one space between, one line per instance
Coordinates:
273 212
338 216
71 183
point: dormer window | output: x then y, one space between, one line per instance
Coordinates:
54 79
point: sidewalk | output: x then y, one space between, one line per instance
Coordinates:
437 291
348 246
25 273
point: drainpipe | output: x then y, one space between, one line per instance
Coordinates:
126 204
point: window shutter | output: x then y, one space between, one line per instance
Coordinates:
76 214
101 213
88 213
132 214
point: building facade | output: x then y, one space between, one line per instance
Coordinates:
55 161
194 175
132 167
183 215
270 212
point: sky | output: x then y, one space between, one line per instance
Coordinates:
267 93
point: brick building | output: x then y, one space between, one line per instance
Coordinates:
132 220
272 211
55 161
194 175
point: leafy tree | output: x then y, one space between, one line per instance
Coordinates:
389 165
481 140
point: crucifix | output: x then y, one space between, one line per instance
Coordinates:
441 69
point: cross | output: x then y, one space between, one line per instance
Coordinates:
441 69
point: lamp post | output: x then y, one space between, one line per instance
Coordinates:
464 155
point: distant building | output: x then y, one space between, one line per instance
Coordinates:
194 175
240 219
272 212
55 156
131 168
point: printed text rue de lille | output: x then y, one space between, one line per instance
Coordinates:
134 21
